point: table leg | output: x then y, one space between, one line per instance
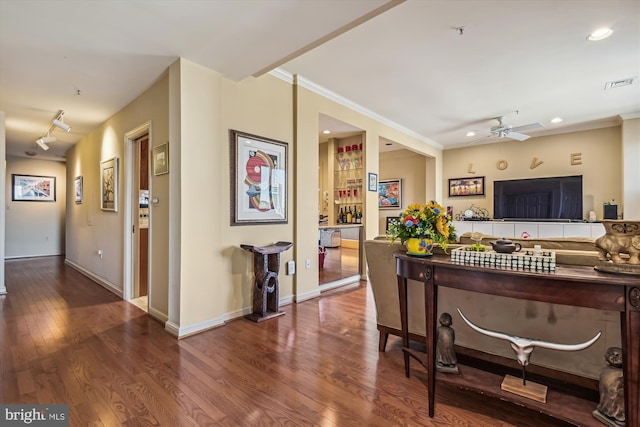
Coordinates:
431 320
630 328
404 322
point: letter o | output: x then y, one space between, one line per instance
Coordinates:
502 164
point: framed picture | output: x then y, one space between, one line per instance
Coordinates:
373 181
258 180
33 188
78 190
390 221
109 185
160 155
390 194
466 186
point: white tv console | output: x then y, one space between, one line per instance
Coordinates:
531 229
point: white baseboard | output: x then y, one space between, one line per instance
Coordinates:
31 256
99 280
307 296
339 283
158 315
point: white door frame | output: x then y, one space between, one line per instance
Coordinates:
129 210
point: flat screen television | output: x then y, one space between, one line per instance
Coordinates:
554 198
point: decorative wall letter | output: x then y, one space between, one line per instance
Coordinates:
535 163
502 164
576 159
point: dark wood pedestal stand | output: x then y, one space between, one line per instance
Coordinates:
266 263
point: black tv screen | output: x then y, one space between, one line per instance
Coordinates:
555 198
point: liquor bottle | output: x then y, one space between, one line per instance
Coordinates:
340 216
354 219
349 216
359 217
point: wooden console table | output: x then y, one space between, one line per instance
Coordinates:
570 285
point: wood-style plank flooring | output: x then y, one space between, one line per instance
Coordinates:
65 339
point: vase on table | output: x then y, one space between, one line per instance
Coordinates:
419 246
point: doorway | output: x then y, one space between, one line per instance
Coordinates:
137 284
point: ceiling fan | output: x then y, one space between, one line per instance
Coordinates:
502 130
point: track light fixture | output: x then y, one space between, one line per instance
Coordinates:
59 122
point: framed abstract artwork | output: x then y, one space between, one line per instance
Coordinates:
466 186
78 191
390 194
258 179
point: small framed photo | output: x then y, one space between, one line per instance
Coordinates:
33 188
390 194
258 179
373 181
78 191
466 186
161 159
109 185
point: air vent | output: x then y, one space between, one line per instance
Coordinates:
619 83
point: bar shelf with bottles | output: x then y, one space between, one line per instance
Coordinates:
348 184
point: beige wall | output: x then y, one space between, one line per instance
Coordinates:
35 228
599 153
3 174
411 168
89 228
630 167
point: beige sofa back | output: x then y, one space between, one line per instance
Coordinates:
551 322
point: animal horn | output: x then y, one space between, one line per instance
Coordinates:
566 347
487 332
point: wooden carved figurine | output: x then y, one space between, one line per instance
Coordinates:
611 406
446 360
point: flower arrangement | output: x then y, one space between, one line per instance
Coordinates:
423 221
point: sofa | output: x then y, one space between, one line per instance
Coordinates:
532 319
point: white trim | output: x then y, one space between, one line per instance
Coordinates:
282 75
158 315
307 296
128 252
32 256
99 280
326 93
339 283
630 116
183 331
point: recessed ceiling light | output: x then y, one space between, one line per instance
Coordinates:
471 133
600 34
556 120
326 131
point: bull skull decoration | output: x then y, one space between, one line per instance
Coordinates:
523 347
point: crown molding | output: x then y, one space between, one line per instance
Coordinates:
339 99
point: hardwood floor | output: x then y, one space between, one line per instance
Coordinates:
65 339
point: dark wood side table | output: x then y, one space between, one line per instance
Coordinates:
570 285
266 264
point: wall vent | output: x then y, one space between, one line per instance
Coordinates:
619 83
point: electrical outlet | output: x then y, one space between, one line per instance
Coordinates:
307 263
291 268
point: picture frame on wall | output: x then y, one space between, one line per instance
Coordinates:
33 188
109 185
460 187
78 190
390 194
258 179
373 181
160 156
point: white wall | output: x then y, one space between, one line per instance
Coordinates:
35 228
630 169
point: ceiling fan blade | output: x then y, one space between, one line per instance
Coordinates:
518 136
527 127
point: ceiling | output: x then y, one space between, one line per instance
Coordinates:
408 63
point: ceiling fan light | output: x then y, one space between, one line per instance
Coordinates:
600 34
